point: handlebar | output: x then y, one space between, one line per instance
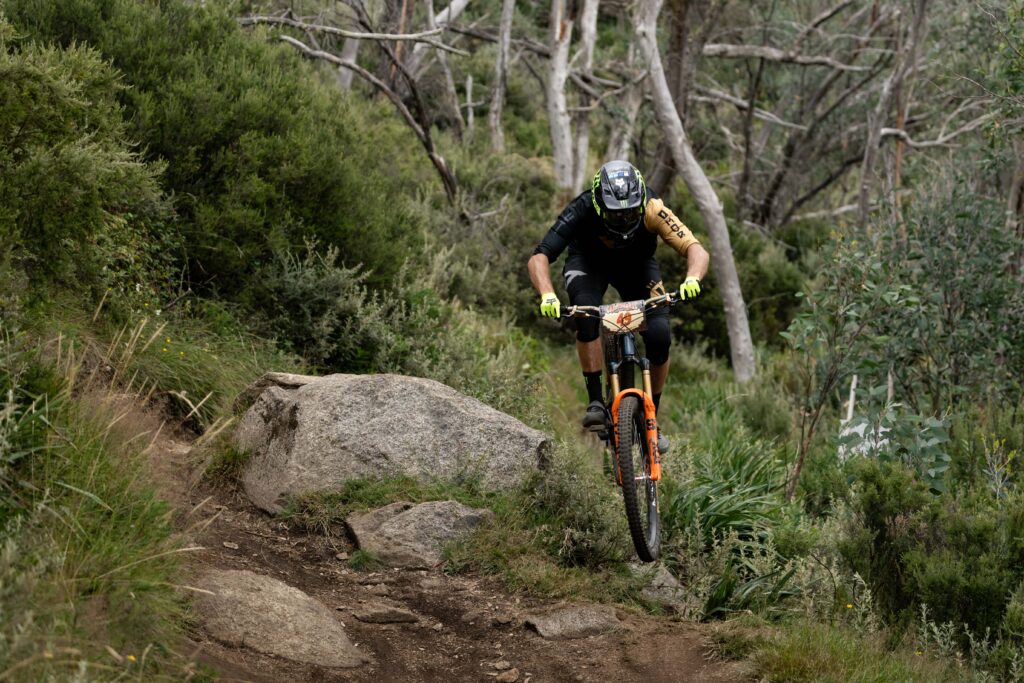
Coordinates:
654 302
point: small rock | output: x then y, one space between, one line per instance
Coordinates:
510 676
229 544
501 620
380 589
386 615
472 616
578 621
438 626
412 535
503 665
341 556
430 583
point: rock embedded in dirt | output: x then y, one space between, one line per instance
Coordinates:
575 621
309 434
382 614
243 609
408 535
664 589
510 676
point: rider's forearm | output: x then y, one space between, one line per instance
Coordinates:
697 261
540 275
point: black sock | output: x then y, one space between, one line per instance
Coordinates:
593 380
657 401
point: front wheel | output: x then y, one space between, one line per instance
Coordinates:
632 455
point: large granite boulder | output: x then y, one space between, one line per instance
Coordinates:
407 535
243 609
308 434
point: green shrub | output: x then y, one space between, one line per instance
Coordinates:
78 207
322 310
259 153
961 556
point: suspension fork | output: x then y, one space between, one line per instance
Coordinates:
646 401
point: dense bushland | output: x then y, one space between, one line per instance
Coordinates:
185 204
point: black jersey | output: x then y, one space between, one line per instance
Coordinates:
583 231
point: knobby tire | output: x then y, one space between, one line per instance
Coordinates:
640 496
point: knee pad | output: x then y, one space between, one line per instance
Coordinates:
587 329
657 339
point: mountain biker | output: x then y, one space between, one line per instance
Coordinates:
611 231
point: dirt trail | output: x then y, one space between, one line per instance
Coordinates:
469 629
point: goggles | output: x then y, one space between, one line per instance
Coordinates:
623 219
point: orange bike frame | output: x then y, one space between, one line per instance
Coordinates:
651 423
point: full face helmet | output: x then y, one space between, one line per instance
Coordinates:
619 198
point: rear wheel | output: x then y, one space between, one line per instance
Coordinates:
639 491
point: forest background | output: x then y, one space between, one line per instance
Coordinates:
194 193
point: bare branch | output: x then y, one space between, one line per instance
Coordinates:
826 213
942 140
526 44
422 37
712 95
819 20
774 54
447 178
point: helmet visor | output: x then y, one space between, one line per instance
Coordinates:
624 219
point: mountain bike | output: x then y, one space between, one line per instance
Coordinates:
630 429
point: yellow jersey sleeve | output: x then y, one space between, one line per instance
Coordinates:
660 220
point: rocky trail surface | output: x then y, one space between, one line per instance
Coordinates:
273 603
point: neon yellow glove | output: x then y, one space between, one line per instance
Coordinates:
550 306
690 289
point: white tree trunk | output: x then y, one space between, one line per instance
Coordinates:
449 80
588 36
620 140
558 108
349 53
508 8
469 102
741 345
446 16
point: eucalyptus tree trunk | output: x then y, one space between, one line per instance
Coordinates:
508 8
558 107
906 58
443 18
449 80
349 53
588 36
620 140
741 345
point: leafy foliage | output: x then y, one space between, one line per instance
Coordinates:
79 206
251 176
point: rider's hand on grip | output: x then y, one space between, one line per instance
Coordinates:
690 289
550 306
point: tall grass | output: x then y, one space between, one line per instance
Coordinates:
88 564
191 364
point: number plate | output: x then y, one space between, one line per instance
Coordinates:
626 316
